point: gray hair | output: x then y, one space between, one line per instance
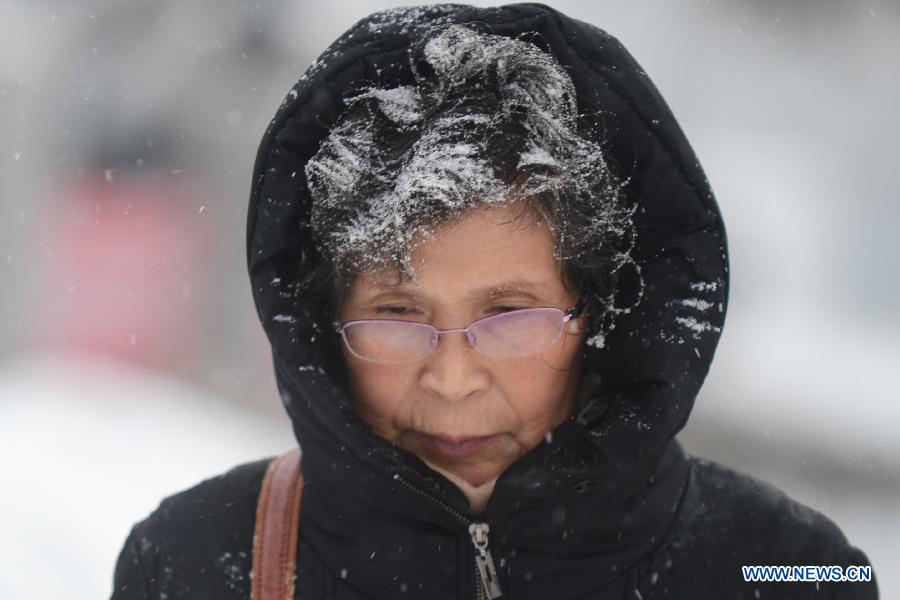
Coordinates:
488 119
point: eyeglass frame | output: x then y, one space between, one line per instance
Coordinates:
567 315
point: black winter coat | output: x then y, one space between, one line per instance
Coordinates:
609 506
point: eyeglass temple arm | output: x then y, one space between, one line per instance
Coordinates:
577 310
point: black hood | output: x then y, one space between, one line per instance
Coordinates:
617 468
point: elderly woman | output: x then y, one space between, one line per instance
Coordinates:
493 276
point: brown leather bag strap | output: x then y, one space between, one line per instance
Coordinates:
275 536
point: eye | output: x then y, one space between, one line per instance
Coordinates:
393 310
503 309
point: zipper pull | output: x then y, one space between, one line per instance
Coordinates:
483 560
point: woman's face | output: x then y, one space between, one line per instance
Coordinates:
465 414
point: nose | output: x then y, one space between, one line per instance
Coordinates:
455 370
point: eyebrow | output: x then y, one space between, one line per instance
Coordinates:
497 290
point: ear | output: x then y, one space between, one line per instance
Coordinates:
574 326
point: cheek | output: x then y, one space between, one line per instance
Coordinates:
535 389
541 389
376 394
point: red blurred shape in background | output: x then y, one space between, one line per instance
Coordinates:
122 255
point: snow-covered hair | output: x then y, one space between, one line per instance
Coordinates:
487 119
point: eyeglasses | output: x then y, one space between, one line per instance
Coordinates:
515 333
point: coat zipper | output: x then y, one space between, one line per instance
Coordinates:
485 572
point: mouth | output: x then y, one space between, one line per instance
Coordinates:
452 447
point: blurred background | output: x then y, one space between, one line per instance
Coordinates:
132 364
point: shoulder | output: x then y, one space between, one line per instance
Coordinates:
219 498
734 502
728 520
197 543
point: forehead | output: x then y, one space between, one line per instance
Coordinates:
487 253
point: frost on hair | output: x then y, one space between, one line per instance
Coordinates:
487 119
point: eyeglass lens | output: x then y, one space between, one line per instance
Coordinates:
516 333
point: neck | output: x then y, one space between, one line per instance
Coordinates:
478 495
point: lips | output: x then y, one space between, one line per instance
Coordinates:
454 446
